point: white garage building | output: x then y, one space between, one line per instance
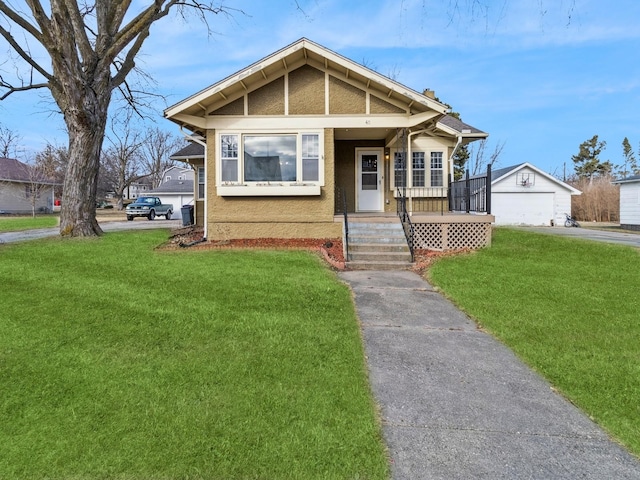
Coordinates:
629 202
176 189
525 195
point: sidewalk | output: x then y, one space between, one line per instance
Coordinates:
24 235
457 404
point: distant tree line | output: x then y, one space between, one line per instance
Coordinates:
128 156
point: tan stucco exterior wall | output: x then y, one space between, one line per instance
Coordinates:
272 217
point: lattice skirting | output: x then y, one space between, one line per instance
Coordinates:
451 236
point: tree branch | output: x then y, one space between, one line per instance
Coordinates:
24 54
12 89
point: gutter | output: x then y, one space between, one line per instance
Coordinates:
195 193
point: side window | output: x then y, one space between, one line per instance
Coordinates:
229 157
399 170
437 178
417 169
310 158
200 183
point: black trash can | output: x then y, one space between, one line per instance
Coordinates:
187 215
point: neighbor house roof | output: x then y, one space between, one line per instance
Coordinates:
175 186
632 179
193 150
500 173
12 170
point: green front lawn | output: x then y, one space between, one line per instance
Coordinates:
14 224
119 361
569 308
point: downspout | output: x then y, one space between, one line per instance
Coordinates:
206 196
451 170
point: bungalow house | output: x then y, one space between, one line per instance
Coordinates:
286 146
24 188
629 202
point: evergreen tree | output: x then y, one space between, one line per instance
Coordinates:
587 162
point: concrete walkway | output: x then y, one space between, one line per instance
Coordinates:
457 404
22 236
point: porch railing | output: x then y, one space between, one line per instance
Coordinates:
340 205
405 219
424 199
471 194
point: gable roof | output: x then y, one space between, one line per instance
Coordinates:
301 52
175 186
191 151
631 179
500 173
12 170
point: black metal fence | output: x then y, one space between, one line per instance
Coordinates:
471 194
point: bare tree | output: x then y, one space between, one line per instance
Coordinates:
120 165
54 160
92 48
155 150
479 158
9 141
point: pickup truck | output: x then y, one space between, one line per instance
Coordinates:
149 207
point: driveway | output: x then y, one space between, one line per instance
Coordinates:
621 238
9 237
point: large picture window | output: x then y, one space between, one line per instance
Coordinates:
270 158
270 164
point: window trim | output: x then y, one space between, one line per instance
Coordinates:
299 187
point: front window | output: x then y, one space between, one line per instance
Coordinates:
399 169
270 158
284 160
418 169
310 158
436 169
229 156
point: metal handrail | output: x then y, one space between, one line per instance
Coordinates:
405 219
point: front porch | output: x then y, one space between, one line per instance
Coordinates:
422 231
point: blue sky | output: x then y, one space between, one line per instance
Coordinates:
540 76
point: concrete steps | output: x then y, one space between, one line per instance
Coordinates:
377 246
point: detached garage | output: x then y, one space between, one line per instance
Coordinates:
525 195
629 202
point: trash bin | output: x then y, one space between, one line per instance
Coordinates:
187 215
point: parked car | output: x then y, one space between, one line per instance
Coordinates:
149 207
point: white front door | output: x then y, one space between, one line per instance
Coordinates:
369 182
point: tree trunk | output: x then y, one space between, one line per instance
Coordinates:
86 132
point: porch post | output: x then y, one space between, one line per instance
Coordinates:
488 189
467 190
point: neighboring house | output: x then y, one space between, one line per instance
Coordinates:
19 183
136 189
629 202
282 145
176 188
525 195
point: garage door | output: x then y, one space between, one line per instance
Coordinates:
526 208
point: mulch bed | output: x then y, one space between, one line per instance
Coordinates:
192 238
